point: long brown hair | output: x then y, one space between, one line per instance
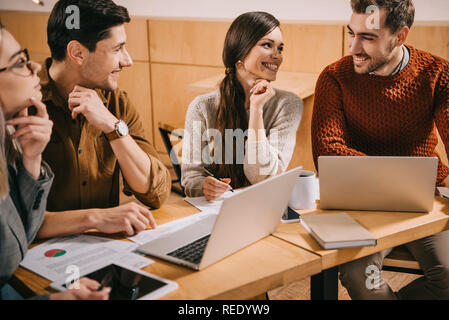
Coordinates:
243 34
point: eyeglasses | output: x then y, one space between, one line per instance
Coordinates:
21 67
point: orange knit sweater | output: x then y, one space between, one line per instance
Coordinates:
357 115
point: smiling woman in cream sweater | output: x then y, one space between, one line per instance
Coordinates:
245 131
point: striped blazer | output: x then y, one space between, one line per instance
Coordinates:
21 216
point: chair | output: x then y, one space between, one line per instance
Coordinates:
167 130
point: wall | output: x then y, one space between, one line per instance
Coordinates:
170 54
304 10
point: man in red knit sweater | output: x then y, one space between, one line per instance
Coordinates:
386 99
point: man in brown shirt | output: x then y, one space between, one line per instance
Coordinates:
97 132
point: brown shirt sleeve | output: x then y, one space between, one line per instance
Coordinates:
160 179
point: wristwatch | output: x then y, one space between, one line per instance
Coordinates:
121 130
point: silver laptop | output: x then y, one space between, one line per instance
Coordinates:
377 183
244 218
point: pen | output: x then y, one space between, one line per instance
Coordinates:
105 281
212 175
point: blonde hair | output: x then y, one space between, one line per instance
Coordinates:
9 150
4 186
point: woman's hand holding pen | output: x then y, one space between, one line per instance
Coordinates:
214 188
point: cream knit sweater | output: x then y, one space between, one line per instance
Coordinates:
262 159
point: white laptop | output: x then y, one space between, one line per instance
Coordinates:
244 218
377 183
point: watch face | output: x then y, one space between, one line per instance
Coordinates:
122 128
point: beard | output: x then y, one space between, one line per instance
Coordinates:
95 77
107 84
376 63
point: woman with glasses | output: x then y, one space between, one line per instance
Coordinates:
250 126
25 179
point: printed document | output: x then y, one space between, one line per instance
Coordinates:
151 234
57 258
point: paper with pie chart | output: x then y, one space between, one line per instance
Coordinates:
52 258
53 253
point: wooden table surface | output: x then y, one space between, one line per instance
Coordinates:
390 228
252 271
300 83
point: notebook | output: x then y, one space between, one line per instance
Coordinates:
337 230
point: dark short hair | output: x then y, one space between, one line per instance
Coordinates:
400 13
96 18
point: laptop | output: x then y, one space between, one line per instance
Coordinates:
377 183
244 218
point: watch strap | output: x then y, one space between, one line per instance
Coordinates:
112 135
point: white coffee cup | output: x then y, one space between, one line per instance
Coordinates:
304 194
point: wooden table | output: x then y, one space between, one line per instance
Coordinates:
300 83
252 271
391 229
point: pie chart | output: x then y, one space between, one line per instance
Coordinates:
53 253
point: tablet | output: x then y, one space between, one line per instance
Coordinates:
290 216
127 283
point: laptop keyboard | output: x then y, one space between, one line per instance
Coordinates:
192 252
